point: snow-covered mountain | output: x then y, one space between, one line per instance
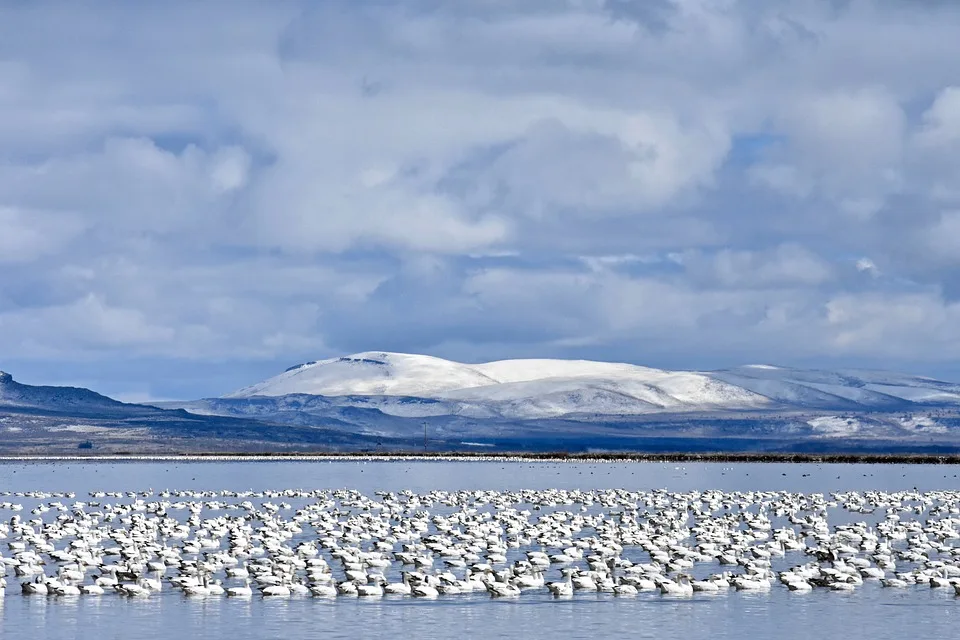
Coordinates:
393 402
410 385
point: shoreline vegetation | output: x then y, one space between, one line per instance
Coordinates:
559 456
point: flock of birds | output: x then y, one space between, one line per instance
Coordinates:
342 543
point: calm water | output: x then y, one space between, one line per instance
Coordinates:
868 612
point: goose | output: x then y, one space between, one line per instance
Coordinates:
896 583
199 590
65 589
529 581
241 592
107 580
370 590
502 589
584 582
705 585
72 575
745 583
323 590
238 572
448 588
564 587
645 584
154 584
37 587
872 573
624 589
275 590
399 588
132 590
681 587
423 591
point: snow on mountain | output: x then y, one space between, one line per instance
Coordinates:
400 384
921 395
922 424
511 388
835 426
503 371
854 389
368 374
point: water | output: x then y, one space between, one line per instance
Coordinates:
868 612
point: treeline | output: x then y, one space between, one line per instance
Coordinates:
825 458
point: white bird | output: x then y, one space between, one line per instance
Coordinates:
241 592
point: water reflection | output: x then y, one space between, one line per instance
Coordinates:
781 614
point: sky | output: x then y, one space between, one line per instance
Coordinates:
195 196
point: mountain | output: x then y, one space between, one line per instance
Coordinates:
576 405
63 420
531 389
75 399
377 401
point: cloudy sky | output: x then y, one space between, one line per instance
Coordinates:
194 196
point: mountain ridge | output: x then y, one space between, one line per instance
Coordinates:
380 401
537 388
15 394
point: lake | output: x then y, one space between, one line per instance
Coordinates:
869 611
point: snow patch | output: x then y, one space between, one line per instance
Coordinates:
922 424
835 426
80 428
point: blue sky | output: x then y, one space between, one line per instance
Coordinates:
194 196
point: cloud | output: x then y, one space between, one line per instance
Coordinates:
643 164
130 186
88 322
682 184
942 240
866 265
783 267
28 235
940 124
846 144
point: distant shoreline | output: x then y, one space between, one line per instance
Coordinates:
826 458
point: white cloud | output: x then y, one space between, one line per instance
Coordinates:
84 323
866 265
28 235
786 266
940 124
903 326
942 239
229 169
848 143
285 180
130 185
